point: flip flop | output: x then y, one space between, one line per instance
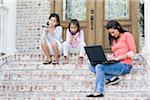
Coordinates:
47 62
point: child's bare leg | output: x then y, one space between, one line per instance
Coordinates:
56 52
66 60
45 49
80 60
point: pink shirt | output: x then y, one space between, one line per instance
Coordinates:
125 45
75 39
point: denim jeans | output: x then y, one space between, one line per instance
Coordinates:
107 71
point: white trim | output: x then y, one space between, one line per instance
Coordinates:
11 27
146 48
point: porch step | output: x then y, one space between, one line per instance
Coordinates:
69 95
72 85
25 79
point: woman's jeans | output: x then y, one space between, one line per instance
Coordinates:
107 71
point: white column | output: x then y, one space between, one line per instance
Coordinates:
146 48
3 27
11 26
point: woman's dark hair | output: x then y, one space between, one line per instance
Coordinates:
57 18
115 25
76 23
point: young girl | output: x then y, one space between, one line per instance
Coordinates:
51 39
74 41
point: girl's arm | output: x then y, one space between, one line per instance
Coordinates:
68 35
58 33
44 33
81 35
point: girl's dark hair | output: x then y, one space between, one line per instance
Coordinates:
57 18
74 22
115 25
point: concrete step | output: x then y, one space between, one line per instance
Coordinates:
24 77
69 95
70 85
57 74
35 70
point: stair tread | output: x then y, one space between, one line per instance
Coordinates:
24 76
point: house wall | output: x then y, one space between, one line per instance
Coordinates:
31 15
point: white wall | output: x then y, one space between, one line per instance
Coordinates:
146 49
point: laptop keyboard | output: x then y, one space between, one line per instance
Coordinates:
110 62
106 62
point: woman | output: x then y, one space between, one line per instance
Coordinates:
123 49
51 39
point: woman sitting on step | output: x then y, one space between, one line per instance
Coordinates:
123 48
74 41
51 39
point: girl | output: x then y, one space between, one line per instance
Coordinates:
74 41
51 39
123 49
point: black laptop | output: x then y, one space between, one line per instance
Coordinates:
96 55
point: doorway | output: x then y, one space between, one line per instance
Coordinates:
93 16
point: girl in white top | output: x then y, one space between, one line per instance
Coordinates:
51 39
74 41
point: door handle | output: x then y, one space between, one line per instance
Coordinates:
92 19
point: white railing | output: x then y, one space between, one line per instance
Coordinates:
3 28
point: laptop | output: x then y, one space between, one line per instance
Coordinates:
96 55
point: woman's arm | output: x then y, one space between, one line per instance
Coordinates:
121 57
131 46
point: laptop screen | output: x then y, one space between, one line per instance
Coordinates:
95 53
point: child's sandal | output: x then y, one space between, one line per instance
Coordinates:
47 62
55 61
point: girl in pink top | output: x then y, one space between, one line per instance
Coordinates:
74 41
123 49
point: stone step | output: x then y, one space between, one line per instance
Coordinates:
77 85
24 77
27 75
35 70
57 74
32 64
37 56
69 95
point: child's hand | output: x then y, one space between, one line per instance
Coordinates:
74 38
44 29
